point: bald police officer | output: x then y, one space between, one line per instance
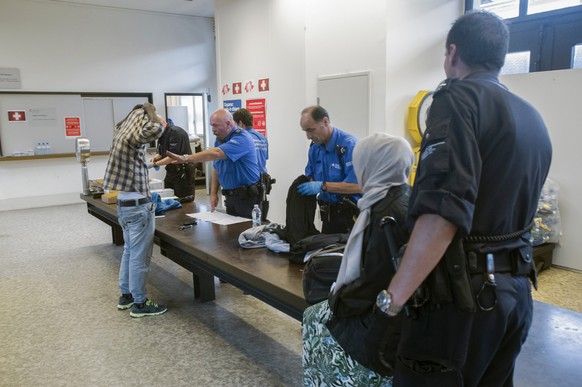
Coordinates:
236 168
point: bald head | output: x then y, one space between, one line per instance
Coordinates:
222 123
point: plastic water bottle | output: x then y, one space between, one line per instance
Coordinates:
256 216
48 148
38 149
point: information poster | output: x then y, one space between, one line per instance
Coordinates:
72 126
232 105
258 110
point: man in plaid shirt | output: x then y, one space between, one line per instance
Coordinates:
127 172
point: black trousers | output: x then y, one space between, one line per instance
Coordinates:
237 206
182 179
447 347
336 220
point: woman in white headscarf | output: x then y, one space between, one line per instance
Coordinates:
334 348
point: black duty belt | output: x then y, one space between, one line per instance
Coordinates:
235 191
504 261
133 202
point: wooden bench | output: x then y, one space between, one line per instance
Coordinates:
209 250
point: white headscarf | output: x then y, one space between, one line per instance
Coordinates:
381 161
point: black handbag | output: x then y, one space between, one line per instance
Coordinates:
321 271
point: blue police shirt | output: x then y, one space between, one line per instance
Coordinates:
262 146
240 167
333 163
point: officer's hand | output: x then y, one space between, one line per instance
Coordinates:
213 202
177 159
310 188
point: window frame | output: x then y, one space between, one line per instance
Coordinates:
549 36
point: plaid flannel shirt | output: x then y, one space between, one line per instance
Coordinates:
126 169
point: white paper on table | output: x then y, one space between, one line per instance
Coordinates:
218 217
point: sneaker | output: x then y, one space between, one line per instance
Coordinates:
125 301
148 308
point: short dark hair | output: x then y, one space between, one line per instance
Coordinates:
243 115
316 112
482 39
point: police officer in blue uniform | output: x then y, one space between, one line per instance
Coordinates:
236 167
330 168
484 158
243 118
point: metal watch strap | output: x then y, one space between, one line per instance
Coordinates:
385 304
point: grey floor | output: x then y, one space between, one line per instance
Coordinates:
59 325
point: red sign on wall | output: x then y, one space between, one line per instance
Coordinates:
264 84
237 88
258 109
16 116
72 126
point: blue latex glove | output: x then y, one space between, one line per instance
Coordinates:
157 167
309 188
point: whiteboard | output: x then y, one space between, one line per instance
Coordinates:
346 98
45 115
44 122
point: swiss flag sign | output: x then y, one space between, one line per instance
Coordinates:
16 116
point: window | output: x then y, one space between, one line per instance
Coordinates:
516 63
577 57
544 34
508 9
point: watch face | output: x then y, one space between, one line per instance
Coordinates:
383 300
423 113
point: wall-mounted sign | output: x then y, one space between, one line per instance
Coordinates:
225 89
249 86
257 107
16 116
263 84
237 88
10 78
232 105
72 126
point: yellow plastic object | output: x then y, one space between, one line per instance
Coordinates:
412 176
417 113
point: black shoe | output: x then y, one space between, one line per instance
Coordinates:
147 308
125 301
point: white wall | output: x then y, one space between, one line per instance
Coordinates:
266 39
64 47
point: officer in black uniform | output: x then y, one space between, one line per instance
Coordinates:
484 158
179 177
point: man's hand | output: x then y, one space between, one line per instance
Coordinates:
178 159
151 112
309 188
213 202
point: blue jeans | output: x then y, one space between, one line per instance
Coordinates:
138 224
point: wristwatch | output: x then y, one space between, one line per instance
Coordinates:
185 158
384 303
324 186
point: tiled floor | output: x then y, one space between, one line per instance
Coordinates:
560 287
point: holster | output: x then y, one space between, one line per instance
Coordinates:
450 280
525 265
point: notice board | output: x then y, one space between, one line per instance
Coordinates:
27 119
